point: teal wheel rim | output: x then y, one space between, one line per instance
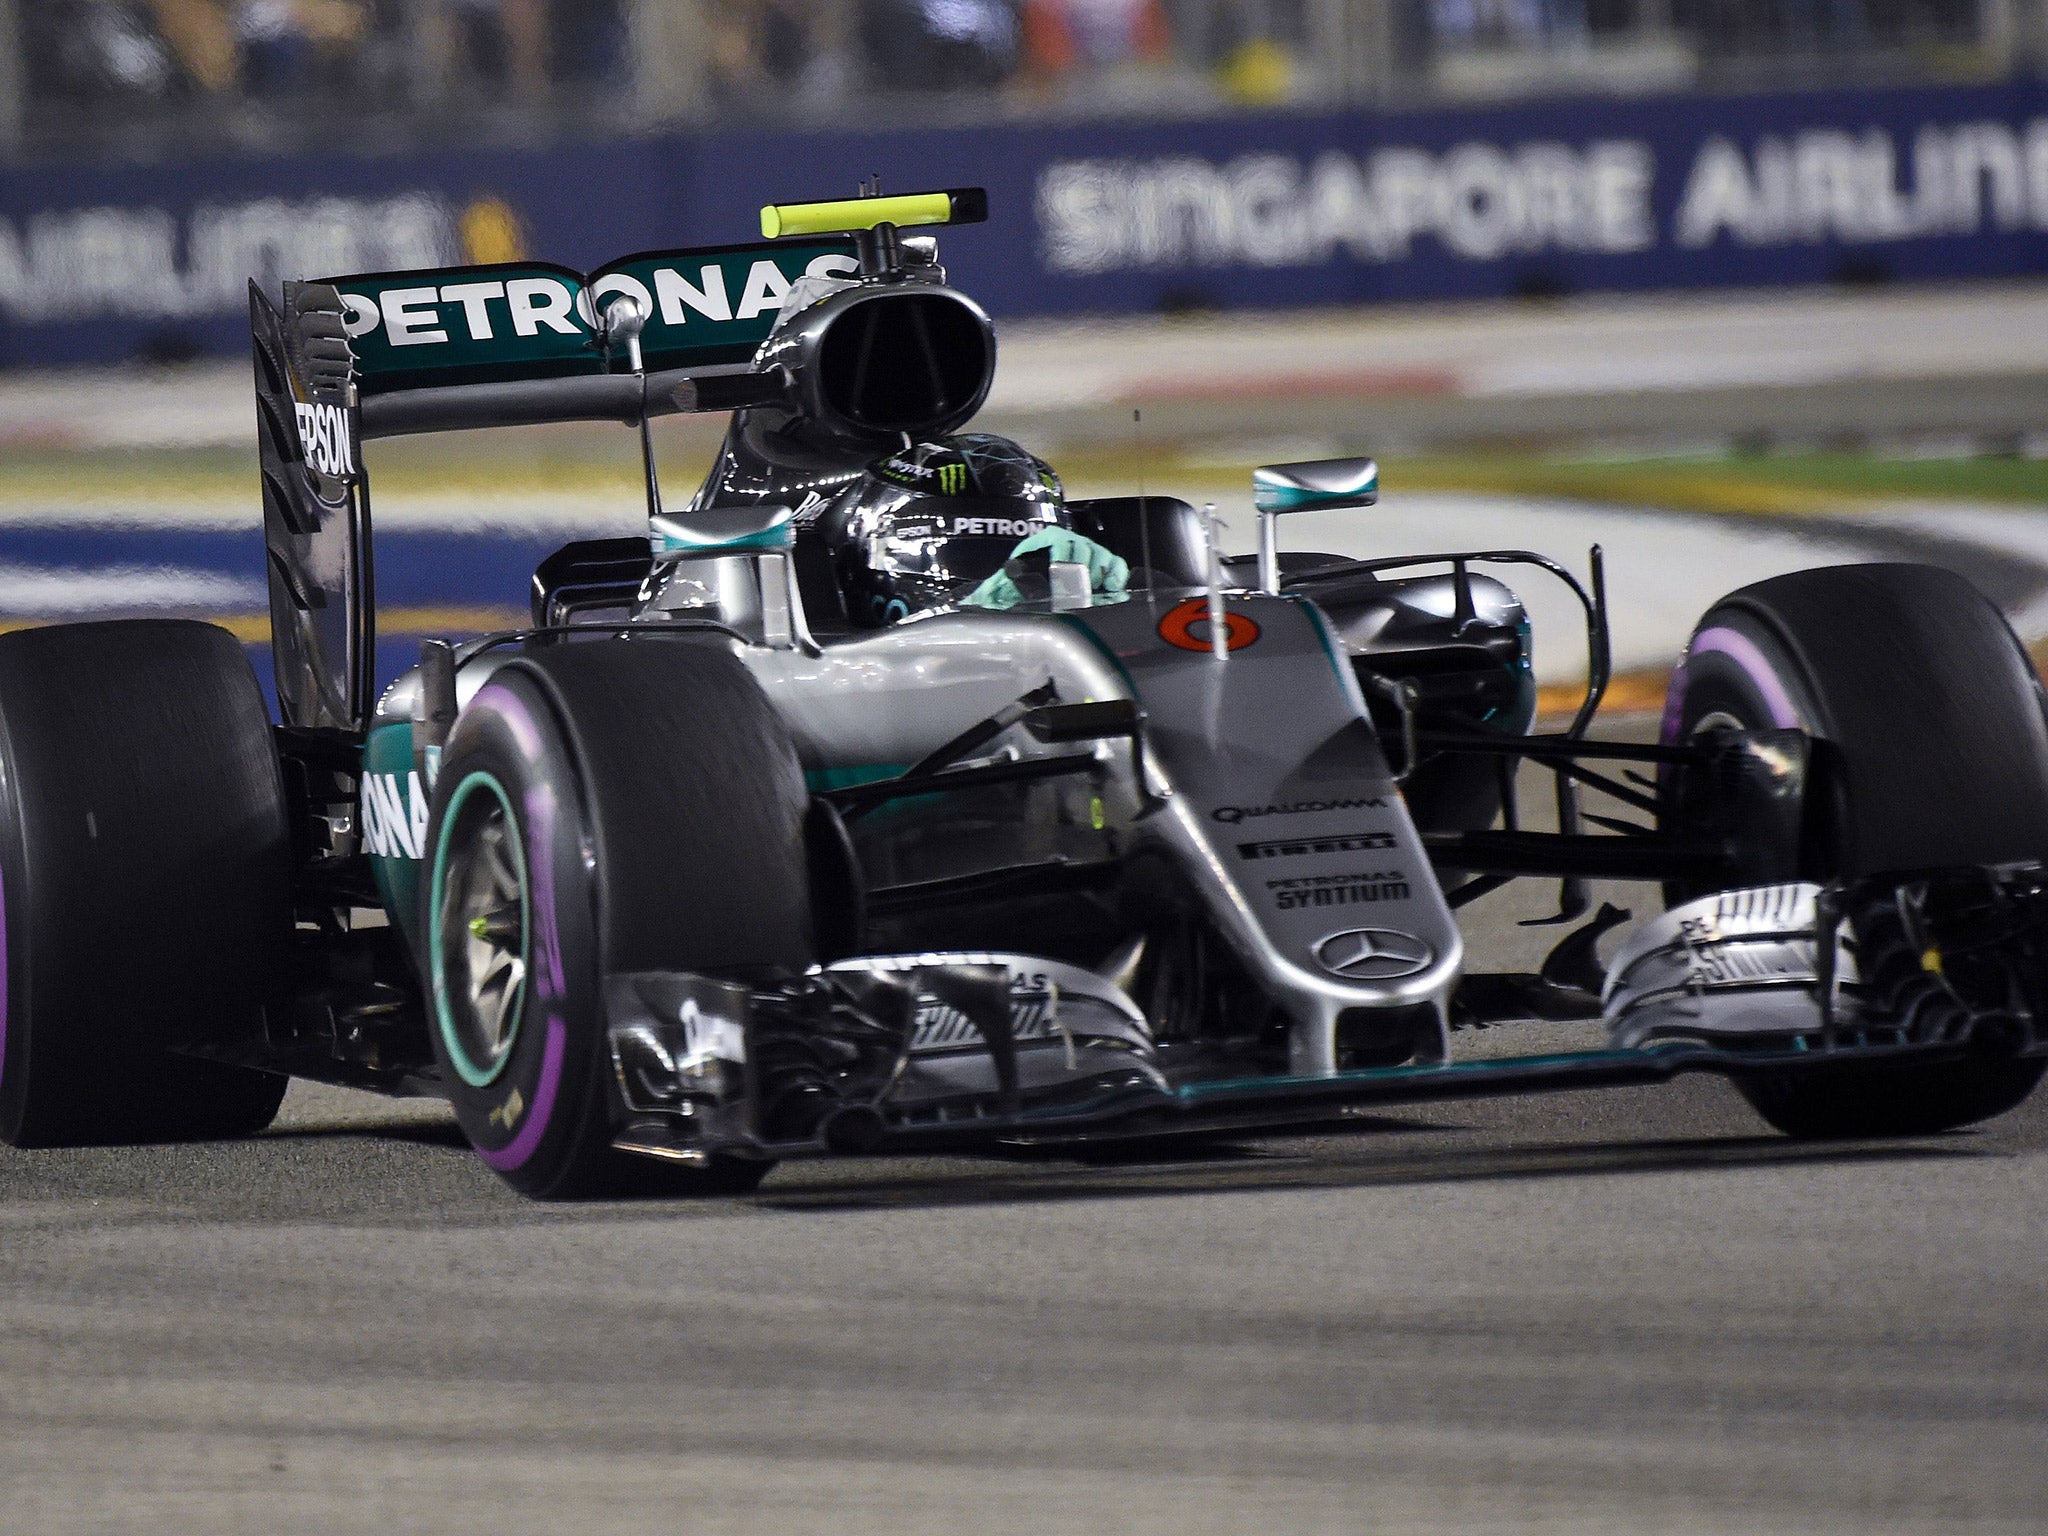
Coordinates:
481 907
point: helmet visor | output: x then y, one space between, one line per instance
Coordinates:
951 546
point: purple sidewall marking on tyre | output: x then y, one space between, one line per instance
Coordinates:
1743 651
547 942
540 838
516 1151
1674 705
513 711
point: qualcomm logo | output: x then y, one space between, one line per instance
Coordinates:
1373 954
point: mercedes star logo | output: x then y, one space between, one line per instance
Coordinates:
1373 954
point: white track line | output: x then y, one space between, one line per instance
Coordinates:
30 591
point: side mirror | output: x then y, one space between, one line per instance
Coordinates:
1316 485
739 561
724 530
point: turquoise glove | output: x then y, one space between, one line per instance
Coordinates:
1106 572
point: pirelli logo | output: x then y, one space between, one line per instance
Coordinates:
1302 847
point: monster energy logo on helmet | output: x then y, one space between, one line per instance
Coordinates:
932 468
970 464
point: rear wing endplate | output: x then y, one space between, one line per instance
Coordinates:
316 508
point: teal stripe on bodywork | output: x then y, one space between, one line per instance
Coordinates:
1102 648
821 780
1525 686
1340 660
389 752
1499 1066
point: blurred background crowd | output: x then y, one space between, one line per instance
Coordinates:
125 75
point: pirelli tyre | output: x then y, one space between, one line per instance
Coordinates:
1930 750
145 898
601 806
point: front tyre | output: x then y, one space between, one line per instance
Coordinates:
503 851
604 806
1931 750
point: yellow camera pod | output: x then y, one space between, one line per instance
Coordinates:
958 205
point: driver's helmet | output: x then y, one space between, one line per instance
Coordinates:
926 525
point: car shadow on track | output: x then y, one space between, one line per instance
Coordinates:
349 1157
1244 1169
400 1173
1701 1127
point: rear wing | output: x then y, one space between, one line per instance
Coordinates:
387 353
380 354
523 341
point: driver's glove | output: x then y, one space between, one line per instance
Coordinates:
1106 572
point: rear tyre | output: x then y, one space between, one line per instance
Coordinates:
606 806
145 894
1930 750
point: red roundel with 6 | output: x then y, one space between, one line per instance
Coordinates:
1187 626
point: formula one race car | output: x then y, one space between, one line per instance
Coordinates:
883 799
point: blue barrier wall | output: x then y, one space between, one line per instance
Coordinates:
100 263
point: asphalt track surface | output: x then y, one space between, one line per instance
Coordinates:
1629 1311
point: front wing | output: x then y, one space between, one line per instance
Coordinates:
957 1051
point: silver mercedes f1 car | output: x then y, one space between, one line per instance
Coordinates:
882 798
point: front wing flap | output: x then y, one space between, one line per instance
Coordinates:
958 1050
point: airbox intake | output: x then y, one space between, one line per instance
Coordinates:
870 364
